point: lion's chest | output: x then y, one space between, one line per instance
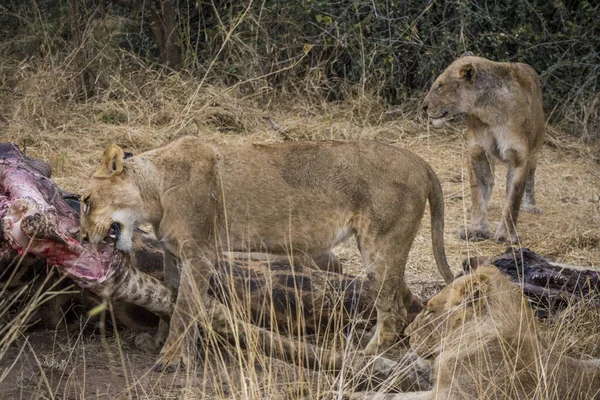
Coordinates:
498 141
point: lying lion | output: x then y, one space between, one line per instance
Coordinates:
503 103
291 198
486 344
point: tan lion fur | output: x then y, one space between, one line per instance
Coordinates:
503 104
487 345
292 198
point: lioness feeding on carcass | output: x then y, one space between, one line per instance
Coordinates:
486 344
37 222
297 198
38 228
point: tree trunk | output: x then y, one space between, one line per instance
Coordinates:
79 59
74 19
101 8
163 22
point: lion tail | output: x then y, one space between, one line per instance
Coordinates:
436 207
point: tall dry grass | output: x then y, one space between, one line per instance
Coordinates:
45 110
52 364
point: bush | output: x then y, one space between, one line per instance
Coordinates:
388 48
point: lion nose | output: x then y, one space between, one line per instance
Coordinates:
85 238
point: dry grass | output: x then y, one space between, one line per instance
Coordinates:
140 108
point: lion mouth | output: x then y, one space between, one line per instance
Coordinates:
440 116
114 232
439 120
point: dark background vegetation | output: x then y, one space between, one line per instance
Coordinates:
390 49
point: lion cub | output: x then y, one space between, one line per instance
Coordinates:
503 103
289 198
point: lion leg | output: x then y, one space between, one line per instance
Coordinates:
481 179
175 353
518 172
528 204
388 297
385 260
192 297
172 275
145 341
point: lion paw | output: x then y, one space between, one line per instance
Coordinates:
529 208
382 339
503 236
171 364
474 235
419 371
148 343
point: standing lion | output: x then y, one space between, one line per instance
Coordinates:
503 103
290 198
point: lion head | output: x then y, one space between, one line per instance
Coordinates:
111 206
457 89
471 303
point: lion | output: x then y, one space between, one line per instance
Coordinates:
486 343
503 104
289 198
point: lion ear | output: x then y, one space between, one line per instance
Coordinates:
467 72
476 288
112 160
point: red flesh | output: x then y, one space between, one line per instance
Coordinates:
27 196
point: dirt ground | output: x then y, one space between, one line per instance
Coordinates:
45 364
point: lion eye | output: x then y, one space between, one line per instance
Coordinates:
427 314
439 86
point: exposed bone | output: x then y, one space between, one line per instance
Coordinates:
36 219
